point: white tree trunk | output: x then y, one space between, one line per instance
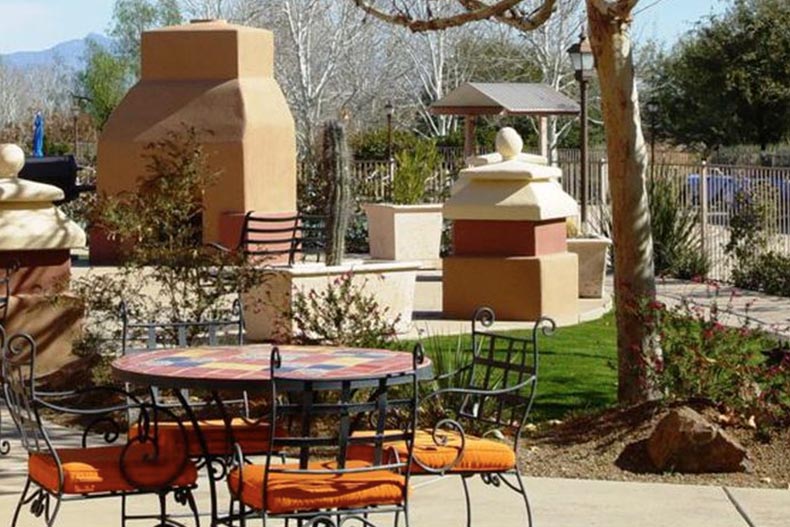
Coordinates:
638 351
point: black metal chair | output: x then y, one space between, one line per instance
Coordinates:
146 463
489 398
325 487
271 236
5 294
141 337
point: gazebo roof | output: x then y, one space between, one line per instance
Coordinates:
505 98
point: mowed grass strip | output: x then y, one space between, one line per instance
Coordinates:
578 366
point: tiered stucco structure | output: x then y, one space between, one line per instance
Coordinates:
36 238
509 238
219 79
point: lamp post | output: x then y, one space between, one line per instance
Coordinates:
390 161
583 63
652 112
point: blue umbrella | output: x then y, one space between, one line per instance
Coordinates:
38 135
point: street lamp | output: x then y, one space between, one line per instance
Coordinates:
652 112
390 110
583 64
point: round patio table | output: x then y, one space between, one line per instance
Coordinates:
247 368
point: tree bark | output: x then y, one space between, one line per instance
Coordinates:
634 281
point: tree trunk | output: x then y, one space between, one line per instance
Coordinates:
634 280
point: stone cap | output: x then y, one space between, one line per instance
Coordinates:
207 50
509 162
28 218
16 190
510 189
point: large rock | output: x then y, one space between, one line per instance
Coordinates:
683 441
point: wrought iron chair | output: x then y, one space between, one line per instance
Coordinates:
141 337
5 293
147 463
270 236
325 487
491 396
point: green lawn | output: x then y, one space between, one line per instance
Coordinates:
577 367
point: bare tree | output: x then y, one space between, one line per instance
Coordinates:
609 24
237 11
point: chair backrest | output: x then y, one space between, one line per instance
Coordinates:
5 292
146 336
292 236
325 426
499 364
18 367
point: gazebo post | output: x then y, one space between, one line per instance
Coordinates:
469 135
543 128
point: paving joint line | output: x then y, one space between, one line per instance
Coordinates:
738 507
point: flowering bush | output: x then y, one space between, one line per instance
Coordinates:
341 314
709 353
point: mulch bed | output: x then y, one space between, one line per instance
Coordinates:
610 445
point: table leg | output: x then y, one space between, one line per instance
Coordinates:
206 454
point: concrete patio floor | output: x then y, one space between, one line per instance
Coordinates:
555 502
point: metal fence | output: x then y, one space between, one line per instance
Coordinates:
708 190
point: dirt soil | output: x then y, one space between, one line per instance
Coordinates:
611 445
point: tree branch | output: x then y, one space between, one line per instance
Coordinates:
504 11
515 17
616 10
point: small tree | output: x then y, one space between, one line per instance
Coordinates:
103 83
159 230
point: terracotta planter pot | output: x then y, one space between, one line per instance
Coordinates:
592 264
405 232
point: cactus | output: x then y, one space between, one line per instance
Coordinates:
337 174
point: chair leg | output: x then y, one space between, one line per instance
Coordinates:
523 490
50 516
123 510
468 501
162 508
193 506
22 501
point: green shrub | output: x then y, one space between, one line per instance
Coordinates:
677 246
167 274
709 354
372 144
415 167
768 272
341 315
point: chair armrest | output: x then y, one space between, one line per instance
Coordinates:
454 373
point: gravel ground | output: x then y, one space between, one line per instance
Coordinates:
610 446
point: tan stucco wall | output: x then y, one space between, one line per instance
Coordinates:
516 288
215 77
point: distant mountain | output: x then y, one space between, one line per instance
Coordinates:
70 54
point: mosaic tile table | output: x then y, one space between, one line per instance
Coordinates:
247 367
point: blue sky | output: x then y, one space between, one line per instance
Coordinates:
27 25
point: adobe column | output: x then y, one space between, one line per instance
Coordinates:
509 239
218 78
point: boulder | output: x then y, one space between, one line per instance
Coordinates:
684 441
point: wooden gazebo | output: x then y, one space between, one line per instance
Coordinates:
504 98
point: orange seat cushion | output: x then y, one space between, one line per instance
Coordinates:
96 470
313 492
479 455
253 436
